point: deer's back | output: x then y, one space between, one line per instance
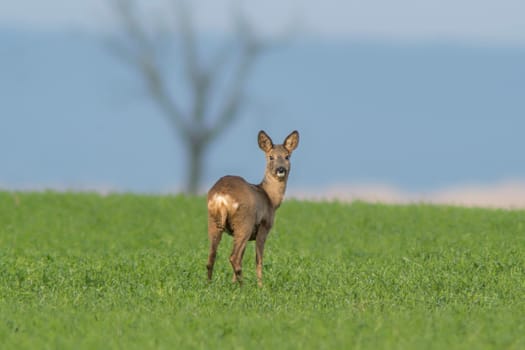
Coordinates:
233 201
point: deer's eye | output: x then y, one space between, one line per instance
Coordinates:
271 157
287 157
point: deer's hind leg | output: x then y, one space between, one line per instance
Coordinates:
215 231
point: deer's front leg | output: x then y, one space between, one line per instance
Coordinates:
240 240
259 252
235 278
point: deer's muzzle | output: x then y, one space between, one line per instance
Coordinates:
281 172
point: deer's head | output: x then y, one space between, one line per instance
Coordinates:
278 156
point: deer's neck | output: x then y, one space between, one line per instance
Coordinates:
274 189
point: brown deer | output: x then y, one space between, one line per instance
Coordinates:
247 211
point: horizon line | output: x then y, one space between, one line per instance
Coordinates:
505 194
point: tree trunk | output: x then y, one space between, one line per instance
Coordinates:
195 166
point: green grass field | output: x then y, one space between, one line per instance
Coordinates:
127 271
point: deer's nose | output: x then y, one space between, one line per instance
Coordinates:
281 170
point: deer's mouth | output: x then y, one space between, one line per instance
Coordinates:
280 172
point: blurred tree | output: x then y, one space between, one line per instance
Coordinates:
206 85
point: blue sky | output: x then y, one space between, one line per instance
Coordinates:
415 94
482 21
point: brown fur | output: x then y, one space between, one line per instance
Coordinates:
247 211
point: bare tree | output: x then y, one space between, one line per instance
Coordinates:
196 123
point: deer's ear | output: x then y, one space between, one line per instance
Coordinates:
291 141
265 142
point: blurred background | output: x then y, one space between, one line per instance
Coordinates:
394 100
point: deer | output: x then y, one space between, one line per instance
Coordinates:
246 211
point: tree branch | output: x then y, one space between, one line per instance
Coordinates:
198 79
141 54
251 48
